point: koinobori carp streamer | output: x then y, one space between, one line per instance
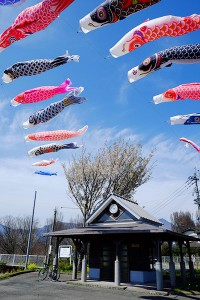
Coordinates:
187 54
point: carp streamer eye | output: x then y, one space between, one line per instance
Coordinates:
169 95
137 45
146 61
32 120
12 40
101 13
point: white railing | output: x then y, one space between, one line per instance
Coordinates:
177 259
19 260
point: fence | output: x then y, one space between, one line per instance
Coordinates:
19 260
177 259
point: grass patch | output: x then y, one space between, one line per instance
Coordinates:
12 274
191 286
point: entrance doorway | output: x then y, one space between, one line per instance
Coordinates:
108 262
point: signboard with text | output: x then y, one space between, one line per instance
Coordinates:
65 251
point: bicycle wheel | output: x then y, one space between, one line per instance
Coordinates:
55 274
43 274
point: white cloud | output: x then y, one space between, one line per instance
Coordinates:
173 166
123 92
18 183
173 162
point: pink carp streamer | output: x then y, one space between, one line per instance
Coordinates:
191 143
152 30
31 20
56 135
41 93
181 92
44 163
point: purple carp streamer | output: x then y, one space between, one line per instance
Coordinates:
47 114
36 66
49 148
187 54
112 11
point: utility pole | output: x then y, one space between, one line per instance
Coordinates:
50 241
30 233
195 179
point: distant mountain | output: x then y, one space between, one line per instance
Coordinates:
44 229
1 228
166 224
48 228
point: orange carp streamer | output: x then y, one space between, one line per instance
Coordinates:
152 30
55 135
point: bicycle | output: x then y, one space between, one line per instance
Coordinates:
53 273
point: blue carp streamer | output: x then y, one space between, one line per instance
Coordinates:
11 2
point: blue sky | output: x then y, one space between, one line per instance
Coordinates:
115 108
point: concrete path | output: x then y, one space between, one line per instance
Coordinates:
27 287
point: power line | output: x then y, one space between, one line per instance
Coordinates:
167 200
195 180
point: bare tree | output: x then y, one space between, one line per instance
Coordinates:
14 237
119 168
55 223
182 221
23 227
75 222
8 236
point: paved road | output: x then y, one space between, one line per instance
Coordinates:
27 287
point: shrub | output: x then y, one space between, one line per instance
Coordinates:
64 266
3 267
32 267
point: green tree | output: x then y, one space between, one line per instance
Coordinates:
119 168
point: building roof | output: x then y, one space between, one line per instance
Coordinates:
133 209
137 230
130 219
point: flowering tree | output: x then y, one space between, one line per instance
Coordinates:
119 168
